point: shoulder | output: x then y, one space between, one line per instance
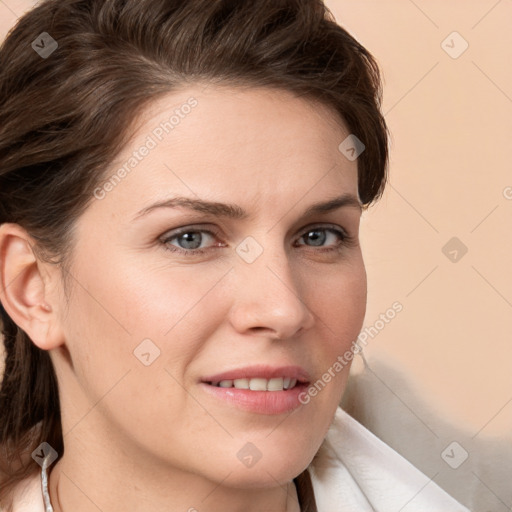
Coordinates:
354 468
28 495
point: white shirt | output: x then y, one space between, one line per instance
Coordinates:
353 471
357 472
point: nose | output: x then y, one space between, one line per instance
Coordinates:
268 298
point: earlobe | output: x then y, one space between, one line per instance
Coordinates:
22 288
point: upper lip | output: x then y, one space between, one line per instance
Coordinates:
261 371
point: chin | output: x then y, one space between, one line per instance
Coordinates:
265 464
267 475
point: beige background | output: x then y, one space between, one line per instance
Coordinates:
439 372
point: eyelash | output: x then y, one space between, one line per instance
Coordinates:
346 240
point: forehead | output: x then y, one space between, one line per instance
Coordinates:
262 146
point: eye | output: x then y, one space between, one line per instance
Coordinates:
318 235
189 240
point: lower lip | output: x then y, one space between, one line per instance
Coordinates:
261 402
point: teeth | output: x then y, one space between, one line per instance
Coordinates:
275 384
241 383
258 384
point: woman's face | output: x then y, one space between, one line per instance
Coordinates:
164 298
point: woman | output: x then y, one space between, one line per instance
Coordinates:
181 280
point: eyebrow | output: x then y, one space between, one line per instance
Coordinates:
234 211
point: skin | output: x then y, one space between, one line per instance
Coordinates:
147 437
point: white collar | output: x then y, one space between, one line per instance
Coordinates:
355 470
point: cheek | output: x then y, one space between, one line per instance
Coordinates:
157 314
121 318
173 305
339 305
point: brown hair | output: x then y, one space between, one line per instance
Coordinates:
65 115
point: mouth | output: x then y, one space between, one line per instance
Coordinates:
258 384
259 389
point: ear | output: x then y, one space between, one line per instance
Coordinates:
23 288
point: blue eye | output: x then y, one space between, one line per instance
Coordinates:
191 239
318 236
